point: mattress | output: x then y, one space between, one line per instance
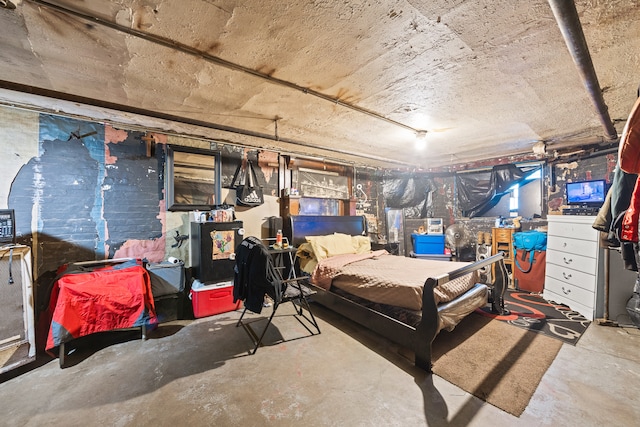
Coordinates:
388 279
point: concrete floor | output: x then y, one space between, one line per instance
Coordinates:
198 373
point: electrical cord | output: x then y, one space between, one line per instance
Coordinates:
10 247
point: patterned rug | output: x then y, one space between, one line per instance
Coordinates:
534 313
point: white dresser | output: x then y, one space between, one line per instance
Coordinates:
574 270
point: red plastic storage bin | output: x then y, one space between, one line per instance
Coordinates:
213 299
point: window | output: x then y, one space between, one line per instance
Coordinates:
192 178
515 202
523 199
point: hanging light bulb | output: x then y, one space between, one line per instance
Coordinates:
421 139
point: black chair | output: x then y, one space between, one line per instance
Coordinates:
256 275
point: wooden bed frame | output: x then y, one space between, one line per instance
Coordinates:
419 338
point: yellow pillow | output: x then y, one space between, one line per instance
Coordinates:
361 244
331 245
306 257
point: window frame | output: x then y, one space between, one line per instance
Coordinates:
170 179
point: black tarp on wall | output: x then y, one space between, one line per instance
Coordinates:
480 191
410 191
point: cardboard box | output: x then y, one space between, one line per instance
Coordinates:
428 243
213 299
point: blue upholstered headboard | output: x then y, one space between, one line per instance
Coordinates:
297 227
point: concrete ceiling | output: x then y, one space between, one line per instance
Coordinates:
344 80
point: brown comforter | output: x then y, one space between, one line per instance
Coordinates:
389 279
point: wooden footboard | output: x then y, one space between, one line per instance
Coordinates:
427 330
420 338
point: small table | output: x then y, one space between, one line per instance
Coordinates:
283 260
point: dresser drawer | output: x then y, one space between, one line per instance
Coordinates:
503 234
586 311
569 291
572 245
572 261
579 231
571 277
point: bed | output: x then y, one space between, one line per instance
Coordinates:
406 300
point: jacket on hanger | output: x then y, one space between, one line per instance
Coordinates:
612 213
254 273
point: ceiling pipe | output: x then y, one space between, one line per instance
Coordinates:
17 87
566 15
189 50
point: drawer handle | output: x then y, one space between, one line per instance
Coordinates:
566 276
567 261
564 244
566 292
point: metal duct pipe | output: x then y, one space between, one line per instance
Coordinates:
567 17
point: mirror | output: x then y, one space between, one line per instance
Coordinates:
192 178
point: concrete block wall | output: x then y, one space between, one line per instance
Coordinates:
83 190
87 191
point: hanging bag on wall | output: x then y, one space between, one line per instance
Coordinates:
528 241
248 192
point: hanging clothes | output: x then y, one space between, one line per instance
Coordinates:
629 226
611 215
629 148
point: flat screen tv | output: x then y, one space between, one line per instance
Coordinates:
586 193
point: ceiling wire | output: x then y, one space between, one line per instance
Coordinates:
172 44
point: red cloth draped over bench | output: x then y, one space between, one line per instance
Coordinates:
86 300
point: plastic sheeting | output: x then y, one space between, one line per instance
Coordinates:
479 192
453 312
410 192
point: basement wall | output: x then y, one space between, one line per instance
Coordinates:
84 190
88 191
